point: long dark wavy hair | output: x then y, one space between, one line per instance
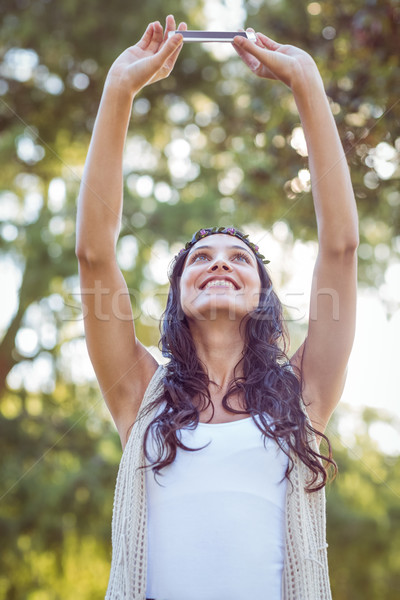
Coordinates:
269 386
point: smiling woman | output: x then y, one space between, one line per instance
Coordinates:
219 279
231 424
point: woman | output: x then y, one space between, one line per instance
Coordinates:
231 504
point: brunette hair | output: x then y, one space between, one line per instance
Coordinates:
271 389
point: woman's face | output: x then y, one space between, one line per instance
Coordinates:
220 277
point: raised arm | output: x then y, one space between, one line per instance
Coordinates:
122 365
323 356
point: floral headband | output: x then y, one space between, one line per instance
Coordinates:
202 233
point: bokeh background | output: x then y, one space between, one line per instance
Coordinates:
210 145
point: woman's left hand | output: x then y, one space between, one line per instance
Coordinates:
271 60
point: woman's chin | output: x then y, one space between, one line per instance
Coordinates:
218 308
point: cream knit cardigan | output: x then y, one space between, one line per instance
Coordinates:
305 573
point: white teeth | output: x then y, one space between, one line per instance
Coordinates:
220 282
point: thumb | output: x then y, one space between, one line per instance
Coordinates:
262 54
275 65
167 50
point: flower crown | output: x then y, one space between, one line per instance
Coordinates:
202 233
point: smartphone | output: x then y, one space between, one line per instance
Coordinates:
213 36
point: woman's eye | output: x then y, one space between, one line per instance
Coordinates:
241 257
198 257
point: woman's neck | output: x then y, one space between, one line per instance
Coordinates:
219 346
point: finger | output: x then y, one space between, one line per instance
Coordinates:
268 42
247 58
181 27
250 30
172 45
246 45
157 37
255 57
146 37
169 26
174 56
258 41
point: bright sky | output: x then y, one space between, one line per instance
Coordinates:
374 376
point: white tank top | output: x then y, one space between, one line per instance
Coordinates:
216 524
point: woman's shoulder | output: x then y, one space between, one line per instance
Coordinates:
155 381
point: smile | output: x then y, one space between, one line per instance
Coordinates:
220 283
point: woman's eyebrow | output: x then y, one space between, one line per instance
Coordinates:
198 248
242 248
234 246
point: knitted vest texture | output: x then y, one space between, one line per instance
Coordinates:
305 573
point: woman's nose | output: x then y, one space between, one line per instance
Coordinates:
220 264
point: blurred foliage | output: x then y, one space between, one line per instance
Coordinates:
363 514
210 145
56 494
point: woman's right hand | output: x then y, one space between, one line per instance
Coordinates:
148 61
